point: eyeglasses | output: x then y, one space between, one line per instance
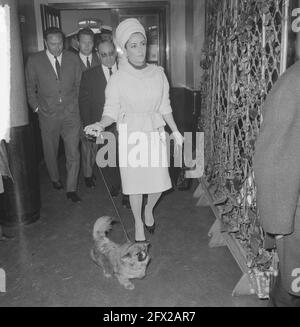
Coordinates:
105 55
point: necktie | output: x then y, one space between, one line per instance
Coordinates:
57 66
88 64
110 71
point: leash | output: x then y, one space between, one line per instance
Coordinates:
93 139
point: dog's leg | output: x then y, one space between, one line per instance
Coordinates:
99 262
125 282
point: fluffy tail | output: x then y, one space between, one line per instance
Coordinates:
101 227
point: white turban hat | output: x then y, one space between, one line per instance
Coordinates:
126 28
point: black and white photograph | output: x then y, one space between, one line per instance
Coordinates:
149 156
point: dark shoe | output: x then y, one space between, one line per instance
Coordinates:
114 192
89 182
57 185
150 229
126 202
74 197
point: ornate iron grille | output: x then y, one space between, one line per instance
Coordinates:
242 60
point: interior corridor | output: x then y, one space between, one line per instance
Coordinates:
48 263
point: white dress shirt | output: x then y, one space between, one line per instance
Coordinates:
52 60
106 71
83 58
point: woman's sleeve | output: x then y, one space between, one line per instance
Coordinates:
165 107
112 99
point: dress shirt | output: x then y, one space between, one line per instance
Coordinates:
106 71
52 60
83 58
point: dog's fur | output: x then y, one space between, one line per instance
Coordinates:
128 261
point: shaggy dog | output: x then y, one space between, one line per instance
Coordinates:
127 261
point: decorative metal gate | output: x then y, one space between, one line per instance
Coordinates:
245 54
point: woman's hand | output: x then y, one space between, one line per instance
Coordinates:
169 119
179 139
94 129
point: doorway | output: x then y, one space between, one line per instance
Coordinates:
154 15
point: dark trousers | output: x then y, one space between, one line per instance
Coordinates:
279 297
88 156
89 151
286 291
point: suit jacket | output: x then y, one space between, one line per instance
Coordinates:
92 95
45 91
277 155
277 173
95 62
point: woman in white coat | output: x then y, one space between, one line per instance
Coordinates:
137 98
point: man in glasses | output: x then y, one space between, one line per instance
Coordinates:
91 103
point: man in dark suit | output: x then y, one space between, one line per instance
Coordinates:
53 79
91 103
88 60
88 57
277 174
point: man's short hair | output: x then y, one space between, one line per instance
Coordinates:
53 30
85 31
102 41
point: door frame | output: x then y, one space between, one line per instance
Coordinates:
161 5
48 10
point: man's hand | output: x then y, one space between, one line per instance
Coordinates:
279 237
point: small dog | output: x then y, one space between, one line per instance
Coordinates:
128 261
